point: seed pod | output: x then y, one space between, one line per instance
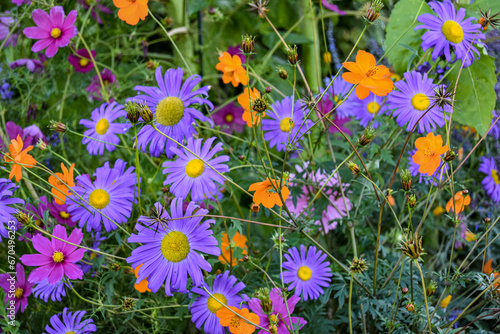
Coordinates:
412 247
282 73
357 266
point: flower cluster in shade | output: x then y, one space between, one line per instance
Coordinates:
6 23
96 9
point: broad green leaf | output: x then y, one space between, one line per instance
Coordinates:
475 98
401 18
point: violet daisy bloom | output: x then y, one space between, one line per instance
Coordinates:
91 255
6 22
82 62
230 118
332 7
71 323
308 272
337 93
495 130
17 289
96 9
6 211
205 307
44 290
20 2
440 174
109 82
172 103
366 109
53 31
56 258
412 99
448 31
112 193
284 122
61 213
170 252
102 131
188 174
33 65
324 107
491 183
36 215
278 314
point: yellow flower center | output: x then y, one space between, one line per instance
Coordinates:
373 107
70 332
214 305
64 214
55 33
372 71
420 101
495 176
38 222
83 62
175 246
452 31
169 111
99 199
58 257
195 168
102 126
337 100
286 124
229 118
273 319
304 273
18 293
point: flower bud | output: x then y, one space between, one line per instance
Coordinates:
449 156
247 44
255 207
374 11
241 157
282 73
58 126
410 307
23 218
268 90
367 137
245 258
259 105
41 144
406 181
465 192
152 64
133 111
146 113
293 56
412 201
354 168
487 221
114 266
357 266
431 289
404 291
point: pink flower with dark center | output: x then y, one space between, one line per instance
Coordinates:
21 288
229 118
53 31
61 214
57 258
82 61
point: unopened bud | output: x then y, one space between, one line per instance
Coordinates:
410 307
406 181
256 251
247 44
245 258
293 56
128 304
412 201
133 111
431 289
259 105
23 218
169 21
146 113
487 220
58 126
449 156
282 73
465 192
404 291
152 64
255 207
367 137
374 11
41 144
241 157
114 266
165 190
268 90
354 168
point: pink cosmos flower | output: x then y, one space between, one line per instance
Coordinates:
229 118
57 258
109 81
61 214
22 289
20 2
53 31
6 22
31 64
82 61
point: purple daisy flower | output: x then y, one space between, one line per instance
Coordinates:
57 257
491 183
90 255
96 9
109 81
229 118
20 2
440 174
450 30
308 272
172 102
53 31
337 93
283 122
412 99
495 130
6 22
21 288
279 312
332 7
6 211
71 323
170 252
102 131
112 193
61 213
324 107
188 174
205 307
33 65
36 215
82 62
366 109
44 290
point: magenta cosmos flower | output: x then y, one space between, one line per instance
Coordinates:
57 258
82 62
53 31
17 290
229 118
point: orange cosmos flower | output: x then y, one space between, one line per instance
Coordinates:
488 270
132 10
236 322
266 194
143 285
61 190
19 156
368 76
234 73
429 153
461 201
227 248
245 103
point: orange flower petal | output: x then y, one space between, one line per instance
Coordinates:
365 60
352 78
362 92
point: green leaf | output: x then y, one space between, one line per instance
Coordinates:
401 18
196 5
475 98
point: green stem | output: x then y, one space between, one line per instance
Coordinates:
424 291
350 299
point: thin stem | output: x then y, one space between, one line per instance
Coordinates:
424 290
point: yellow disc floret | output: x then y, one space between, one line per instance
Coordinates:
452 31
64 214
83 62
169 111
195 168
373 107
495 176
18 293
213 305
286 124
175 246
229 118
55 33
102 126
420 101
58 257
99 199
304 273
